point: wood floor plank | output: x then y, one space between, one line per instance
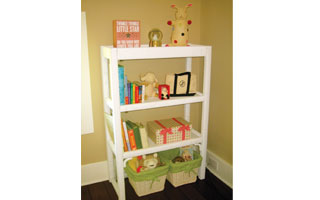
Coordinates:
112 193
173 193
85 194
98 191
191 192
221 188
202 187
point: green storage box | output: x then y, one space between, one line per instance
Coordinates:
147 182
183 172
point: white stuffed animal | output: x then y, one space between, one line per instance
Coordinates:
151 82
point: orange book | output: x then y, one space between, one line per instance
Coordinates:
126 33
132 140
125 148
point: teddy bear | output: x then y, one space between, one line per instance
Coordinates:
148 162
180 27
151 83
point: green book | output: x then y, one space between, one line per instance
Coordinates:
136 133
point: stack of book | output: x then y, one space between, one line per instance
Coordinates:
130 92
134 136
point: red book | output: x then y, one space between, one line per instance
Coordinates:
126 100
132 140
126 33
137 94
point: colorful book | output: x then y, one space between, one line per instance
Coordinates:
126 135
125 147
143 92
121 83
137 94
133 93
132 140
144 136
126 98
129 92
126 33
140 94
136 132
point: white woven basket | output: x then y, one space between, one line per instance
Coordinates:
181 178
144 187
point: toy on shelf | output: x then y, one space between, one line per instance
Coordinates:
155 37
180 27
151 83
164 92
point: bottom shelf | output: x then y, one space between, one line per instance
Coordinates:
195 139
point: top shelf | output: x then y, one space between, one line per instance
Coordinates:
146 52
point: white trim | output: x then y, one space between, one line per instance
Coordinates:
94 173
224 171
86 102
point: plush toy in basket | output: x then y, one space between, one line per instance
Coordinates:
146 162
151 176
186 154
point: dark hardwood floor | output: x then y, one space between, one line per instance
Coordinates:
209 188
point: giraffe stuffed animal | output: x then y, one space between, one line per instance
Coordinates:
180 27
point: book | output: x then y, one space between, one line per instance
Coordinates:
143 135
129 92
187 152
132 140
133 89
125 147
126 33
126 98
137 94
136 132
143 92
126 135
121 83
140 94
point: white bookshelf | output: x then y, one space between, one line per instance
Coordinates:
109 64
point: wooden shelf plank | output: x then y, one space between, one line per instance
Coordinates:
146 52
157 103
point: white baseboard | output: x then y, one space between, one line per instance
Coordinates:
94 173
220 168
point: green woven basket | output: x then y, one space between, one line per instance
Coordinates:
147 182
181 173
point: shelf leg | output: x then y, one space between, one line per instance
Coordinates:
120 175
205 112
110 164
187 106
117 123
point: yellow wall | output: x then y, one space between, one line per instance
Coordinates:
216 30
152 13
